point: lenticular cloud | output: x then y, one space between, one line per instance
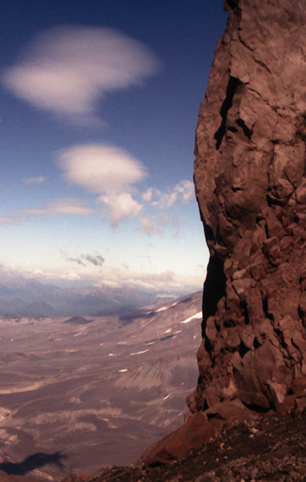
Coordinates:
100 168
107 171
65 70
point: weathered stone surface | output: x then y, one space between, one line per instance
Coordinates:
198 429
250 178
192 435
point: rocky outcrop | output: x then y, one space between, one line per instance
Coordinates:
250 178
197 430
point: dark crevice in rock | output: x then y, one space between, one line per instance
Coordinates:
208 345
214 288
243 350
228 323
247 132
269 201
230 4
233 129
257 408
263 100
227 104
300 313
209 235
260 62
265 308
273 201
280 337
245 44
246 314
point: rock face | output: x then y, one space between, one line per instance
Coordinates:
250 178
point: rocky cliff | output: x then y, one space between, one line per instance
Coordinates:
250 179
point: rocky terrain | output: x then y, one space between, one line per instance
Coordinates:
247 418
270 449
251 187
80 393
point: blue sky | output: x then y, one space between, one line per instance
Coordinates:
98 111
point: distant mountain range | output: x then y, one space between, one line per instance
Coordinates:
31 298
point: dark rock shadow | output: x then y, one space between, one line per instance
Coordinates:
32 462
214 289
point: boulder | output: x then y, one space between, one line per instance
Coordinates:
198 429
195 432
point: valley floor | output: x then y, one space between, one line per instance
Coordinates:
79 394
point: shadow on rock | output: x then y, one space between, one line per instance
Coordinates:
32 462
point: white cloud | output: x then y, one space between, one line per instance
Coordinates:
164 281
155 281
182 193
160 282
107 171
150 194
53 276
35 180
70 206
66 69
121 206
111 173
100 168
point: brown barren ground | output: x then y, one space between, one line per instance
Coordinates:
272 449
90 392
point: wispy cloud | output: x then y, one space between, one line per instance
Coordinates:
107 171
76 260
66 69
59 207
149 226
10 220
169 220
182 193
154 225
96 260
35 180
